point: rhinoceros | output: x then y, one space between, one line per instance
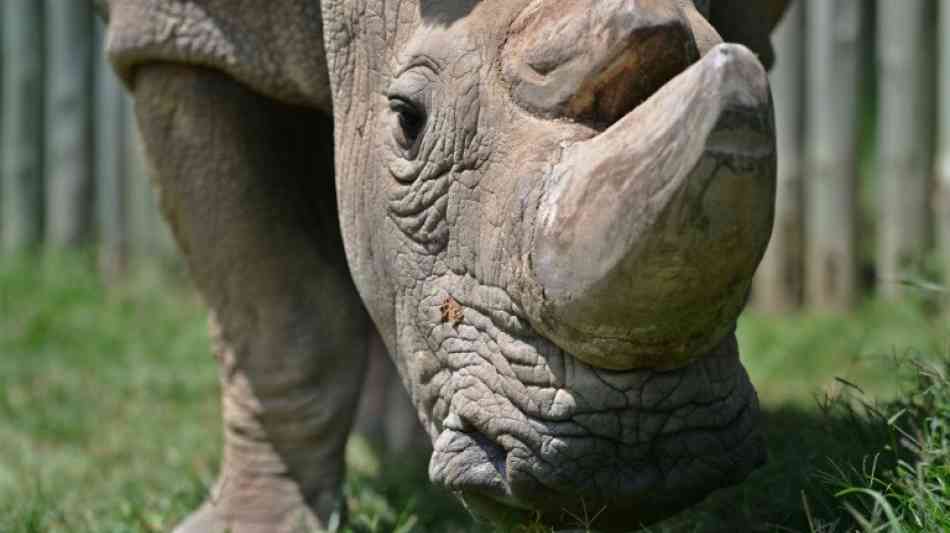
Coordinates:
551 210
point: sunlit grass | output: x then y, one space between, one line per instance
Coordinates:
795 357
108 419
906 485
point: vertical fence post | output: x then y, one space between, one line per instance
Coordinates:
903 140
3 88
21 178
943 151
110 169
778 283
833 62
69 144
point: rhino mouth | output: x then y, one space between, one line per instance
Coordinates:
680 435
522 428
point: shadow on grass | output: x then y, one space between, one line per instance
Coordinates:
810 452
794 491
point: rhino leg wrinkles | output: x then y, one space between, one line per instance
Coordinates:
246 185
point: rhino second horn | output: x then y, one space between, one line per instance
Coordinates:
647 235
594 61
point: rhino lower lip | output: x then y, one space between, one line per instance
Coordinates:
486 485
484 463
499 472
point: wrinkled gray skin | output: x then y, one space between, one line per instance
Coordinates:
551 209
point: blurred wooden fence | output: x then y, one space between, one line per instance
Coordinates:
72 170
862 92
863 110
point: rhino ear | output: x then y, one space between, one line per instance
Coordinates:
749 22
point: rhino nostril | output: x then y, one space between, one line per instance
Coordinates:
456 423
492 450
495 453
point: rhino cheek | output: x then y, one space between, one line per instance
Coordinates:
519 424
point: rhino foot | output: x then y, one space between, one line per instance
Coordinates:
256 508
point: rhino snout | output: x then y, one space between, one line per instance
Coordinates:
655 443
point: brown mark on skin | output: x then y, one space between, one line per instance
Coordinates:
451 312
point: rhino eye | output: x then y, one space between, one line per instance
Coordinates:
409 122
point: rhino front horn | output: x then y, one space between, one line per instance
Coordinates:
648 234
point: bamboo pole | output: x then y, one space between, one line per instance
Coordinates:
943 150
903 141
111 211
778 283
2 103
21 178
69 142
832 111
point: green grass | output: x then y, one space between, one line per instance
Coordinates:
906 486
108 421
109 418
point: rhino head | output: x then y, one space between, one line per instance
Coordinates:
552 211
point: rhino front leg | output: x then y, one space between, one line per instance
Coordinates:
247 185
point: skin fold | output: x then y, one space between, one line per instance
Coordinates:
551 211
288 327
